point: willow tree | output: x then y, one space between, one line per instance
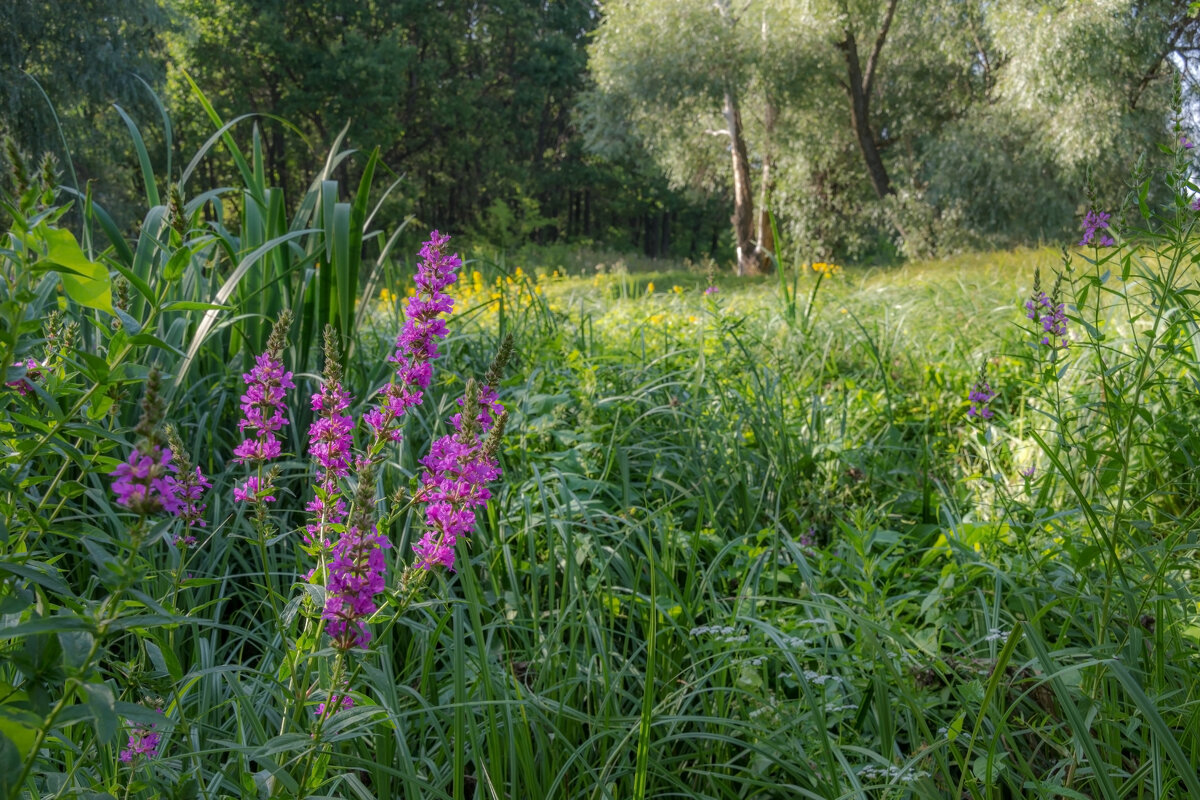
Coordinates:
698 80
929 125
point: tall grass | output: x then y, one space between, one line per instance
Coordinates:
743 548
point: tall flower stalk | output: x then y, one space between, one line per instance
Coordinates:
416 346
459 467
330 445
263 414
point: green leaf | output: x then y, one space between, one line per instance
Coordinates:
176 264
103 707
10 761
77 648
85 281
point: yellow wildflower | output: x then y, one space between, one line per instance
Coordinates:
650 287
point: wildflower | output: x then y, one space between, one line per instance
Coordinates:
142 742
459 467
711 290
677 289
1029 472
1196 204
145 481
980 396
1050 311
24 385
337 702
356 570
416 346
251 491
263 408
1185 142
190 486
650 287
330 439
1095 221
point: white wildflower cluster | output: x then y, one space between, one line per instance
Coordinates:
891 774
724 633
996 635
834 708
762 711
818 679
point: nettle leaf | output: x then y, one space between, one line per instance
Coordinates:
85 281
103 708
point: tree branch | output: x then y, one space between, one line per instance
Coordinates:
1178 29
873 60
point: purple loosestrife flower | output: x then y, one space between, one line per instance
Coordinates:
250 491
459 467
457 470
356 570
1185 142
1096 222
24 386
263 409
330 440
190 485
145 482
980 396
142 742
416 346
338 702
263 414
1049 311
711 290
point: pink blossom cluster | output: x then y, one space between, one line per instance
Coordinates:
330 441
457 471
142 742
263 409
1095 223
149 482
339 702
146 483
356 576
24 385
416 346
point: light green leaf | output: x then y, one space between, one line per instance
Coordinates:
85 281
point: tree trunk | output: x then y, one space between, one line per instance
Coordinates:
748 260
859 86
860 118
766 237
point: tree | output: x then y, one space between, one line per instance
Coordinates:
878 120
678 68
84 55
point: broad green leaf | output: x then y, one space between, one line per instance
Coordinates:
85 281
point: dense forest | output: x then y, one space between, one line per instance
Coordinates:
872 129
